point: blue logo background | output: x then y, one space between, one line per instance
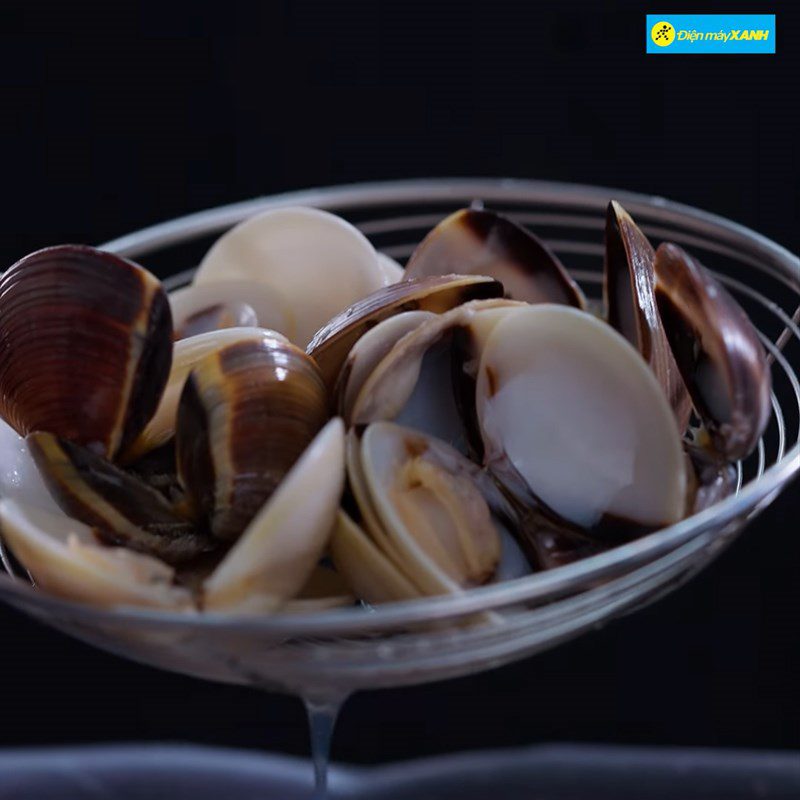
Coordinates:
691 33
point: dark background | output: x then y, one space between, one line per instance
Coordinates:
113 117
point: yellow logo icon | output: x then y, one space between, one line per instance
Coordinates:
662 33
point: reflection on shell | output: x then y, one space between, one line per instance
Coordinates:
629 290
87 344
247 412
334 341
717 350
479 242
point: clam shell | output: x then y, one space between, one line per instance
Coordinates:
246 414
87 344
576 424
430 509
392 271
629 291
414 383
317 261
64 559
187 353
371 574
270 307
279 550
717 350
331 344
216 317
479 242
369 351
122 509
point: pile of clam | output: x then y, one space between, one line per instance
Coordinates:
309 425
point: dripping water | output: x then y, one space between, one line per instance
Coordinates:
322 711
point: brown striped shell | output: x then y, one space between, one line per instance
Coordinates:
437 294
121 508
246 414
479 242
717 349
86 346
629 290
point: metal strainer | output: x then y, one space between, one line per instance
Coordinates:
343 650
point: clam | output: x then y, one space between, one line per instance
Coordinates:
121 508
415 381
425 512
87 345
717 350
64 559
331 344
369 351
629 291
391 270
247 412
229 304
318 262
479 242
186 354
280 548
575 425
373 576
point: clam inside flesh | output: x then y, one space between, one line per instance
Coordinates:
427 513
308 425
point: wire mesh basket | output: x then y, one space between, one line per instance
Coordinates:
342 650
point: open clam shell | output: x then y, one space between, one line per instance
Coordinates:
717 350
435 526
317 261
575 424
368 352
64 559
187 353
422 381
121 508
246 414
230 304
280 548
479 242
372 575
87 344
629 291
331 344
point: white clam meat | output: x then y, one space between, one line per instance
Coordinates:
422 493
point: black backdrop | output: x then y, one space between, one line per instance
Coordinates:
115 116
